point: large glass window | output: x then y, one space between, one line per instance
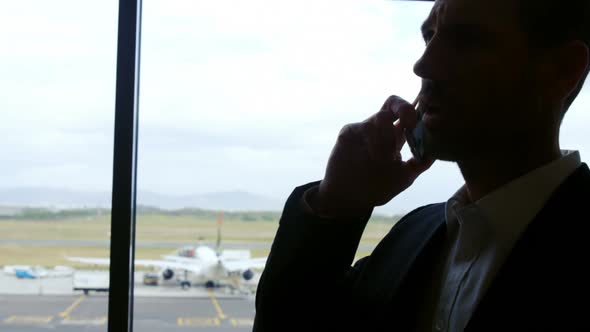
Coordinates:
57 91
240 103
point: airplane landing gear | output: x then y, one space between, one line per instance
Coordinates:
210 284
185 284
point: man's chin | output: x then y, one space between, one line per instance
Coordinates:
444 147
442 157
443 152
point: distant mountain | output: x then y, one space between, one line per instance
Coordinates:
50 197
63 198
231 200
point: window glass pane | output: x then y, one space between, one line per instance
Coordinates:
241 101
57 93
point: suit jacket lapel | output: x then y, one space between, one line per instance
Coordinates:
519 292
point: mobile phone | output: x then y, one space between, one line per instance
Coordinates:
415 137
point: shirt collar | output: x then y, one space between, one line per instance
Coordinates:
510 208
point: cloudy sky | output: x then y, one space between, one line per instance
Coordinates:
235 95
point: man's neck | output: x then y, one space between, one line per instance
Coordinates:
484 175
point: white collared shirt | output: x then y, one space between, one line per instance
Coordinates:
480 236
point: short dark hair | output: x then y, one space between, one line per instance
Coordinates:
549 23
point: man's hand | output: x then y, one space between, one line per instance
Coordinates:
365 168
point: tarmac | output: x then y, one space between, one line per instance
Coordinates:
35 305
146 244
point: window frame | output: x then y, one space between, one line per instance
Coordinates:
122 247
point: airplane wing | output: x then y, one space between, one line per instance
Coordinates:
235 254
90 260
179 259
11 269
245 264
185 266
192 267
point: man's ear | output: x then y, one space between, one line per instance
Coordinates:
566 66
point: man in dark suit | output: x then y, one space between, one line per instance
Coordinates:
508 252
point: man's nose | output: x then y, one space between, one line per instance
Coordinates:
432 63
420 68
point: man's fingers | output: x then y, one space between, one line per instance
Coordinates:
391 139
408 117
387 112
414 167
384 139
390 111
400 136
404 113
375 142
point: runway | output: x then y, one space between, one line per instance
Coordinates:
35 305
35 313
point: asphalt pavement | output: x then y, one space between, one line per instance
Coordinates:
36 313
36 305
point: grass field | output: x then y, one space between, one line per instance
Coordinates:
181 229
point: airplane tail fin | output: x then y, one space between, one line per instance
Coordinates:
218 243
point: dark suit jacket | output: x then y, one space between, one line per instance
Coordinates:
309 285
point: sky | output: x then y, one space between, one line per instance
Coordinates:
235 95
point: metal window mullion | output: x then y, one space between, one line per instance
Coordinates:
122 252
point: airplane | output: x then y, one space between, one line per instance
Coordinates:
204 264
35 272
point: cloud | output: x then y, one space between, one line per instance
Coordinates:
235 95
